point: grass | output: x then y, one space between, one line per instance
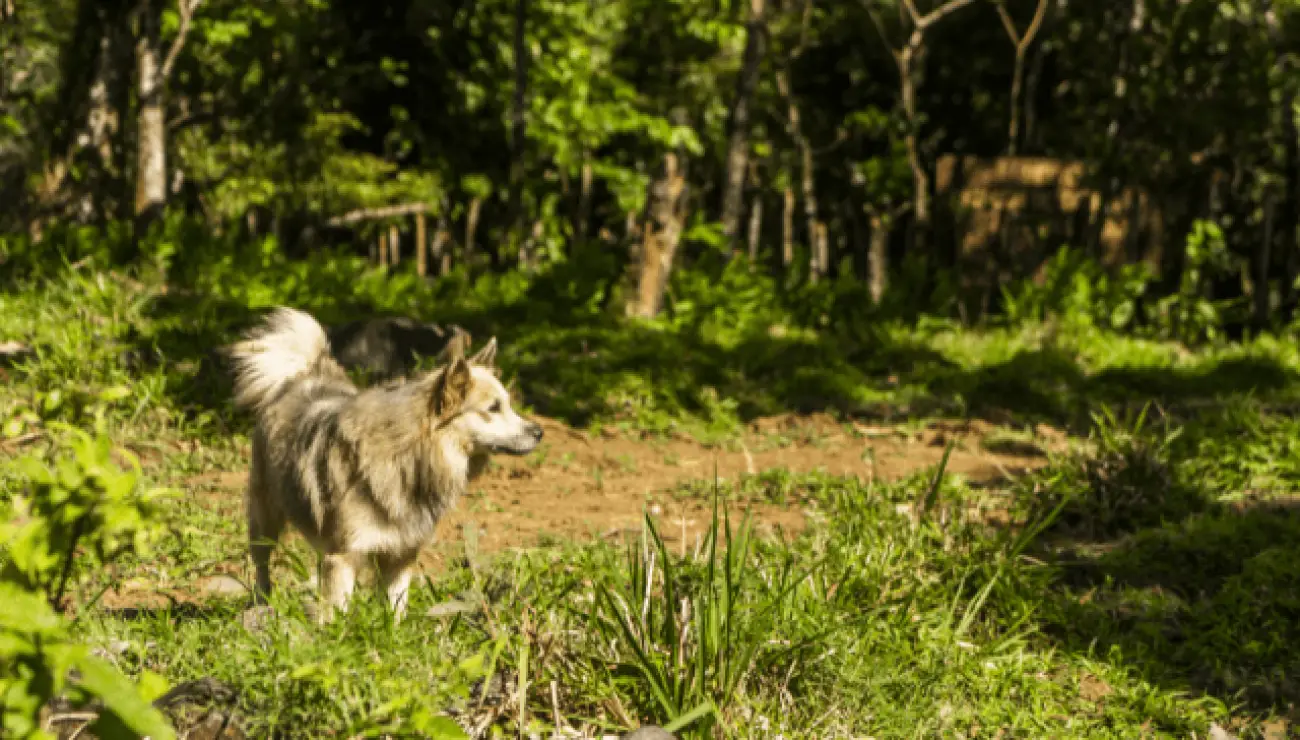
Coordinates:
1159 597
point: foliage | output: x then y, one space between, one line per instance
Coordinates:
76 509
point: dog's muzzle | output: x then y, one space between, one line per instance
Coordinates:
525 443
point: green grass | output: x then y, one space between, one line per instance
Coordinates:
1159 597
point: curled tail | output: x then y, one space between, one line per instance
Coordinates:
288 345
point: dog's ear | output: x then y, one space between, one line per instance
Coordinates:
455 347
486 357
451 389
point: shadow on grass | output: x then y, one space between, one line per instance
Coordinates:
1210 604
576 360
1178 558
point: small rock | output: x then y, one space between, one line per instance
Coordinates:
223 586
650 732
1218 733
255 618
451 609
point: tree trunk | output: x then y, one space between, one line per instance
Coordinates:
517 129
738 142
584 197
807 177
755 224
1289 216
787 228
821 256
394 245
652 263
920 178
1021 43
878 259
441 247
421 251
471 226
151 127
1263 256
383 248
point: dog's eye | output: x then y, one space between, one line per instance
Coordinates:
495 408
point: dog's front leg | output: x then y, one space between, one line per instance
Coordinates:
338 576
395 576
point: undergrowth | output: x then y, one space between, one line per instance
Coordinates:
1139 584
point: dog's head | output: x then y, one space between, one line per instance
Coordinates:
468 400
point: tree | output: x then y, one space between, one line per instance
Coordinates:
1021 42
153 70
909 58
738 140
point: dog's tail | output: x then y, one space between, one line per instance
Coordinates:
288 345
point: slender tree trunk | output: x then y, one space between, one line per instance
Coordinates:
755 224
653 261
584 197
441 247
151 127
394 245
878 258
471 227
517 129
807 177
738 143
1289 216
821 255
1263 257
421 246
787 228
1022 43
920 178
910 63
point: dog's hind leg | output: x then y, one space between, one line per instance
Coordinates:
395 577
265 525
337 578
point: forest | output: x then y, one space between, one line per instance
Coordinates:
908 368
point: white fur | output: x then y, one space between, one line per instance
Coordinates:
287 346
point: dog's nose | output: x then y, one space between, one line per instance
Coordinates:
536 431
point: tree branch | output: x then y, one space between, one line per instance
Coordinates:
366 214
938 14
1008 24
1035 25
880 28
186 8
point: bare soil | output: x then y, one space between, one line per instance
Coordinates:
579 487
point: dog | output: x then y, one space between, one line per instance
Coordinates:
362 473
387 347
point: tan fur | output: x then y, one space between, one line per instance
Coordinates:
362 474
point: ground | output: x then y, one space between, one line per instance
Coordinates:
582 486
1045 530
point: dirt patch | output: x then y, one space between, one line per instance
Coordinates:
577 488
581 487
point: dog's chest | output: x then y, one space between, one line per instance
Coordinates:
376 531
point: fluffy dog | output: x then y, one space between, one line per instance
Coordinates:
362 473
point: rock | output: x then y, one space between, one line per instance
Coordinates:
1218 733
223 586
450 609
255 619
650 732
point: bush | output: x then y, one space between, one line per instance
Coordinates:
76 509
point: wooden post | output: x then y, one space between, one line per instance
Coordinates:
421 258
394 245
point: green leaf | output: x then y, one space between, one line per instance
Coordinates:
135 717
